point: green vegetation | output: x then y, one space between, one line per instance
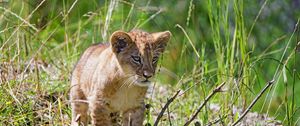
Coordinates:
244 43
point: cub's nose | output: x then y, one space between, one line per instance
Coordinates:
147 74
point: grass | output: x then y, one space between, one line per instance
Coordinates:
244 44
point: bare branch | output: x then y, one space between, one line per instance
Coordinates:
253 102
165 108
217 89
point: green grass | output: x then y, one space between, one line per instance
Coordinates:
242 43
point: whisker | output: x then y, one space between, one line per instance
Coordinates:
126 81
132 82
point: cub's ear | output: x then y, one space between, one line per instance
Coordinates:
119 41
161 39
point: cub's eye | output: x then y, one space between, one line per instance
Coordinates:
136 59
154 59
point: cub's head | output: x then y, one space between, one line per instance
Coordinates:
138 52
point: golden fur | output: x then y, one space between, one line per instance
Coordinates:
114 78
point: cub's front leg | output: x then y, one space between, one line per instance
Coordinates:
134 117
100 115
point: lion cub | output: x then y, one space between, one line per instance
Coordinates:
114 78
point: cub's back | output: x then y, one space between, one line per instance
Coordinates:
87 63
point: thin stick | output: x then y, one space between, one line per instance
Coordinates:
165 108
216 121
254 101
217 89
169 117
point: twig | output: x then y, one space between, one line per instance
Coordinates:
169 117
253 102
217 89
165 108
216 121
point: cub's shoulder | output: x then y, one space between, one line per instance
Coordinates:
94 50
90 54
98 47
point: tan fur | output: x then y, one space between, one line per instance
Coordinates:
112 79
